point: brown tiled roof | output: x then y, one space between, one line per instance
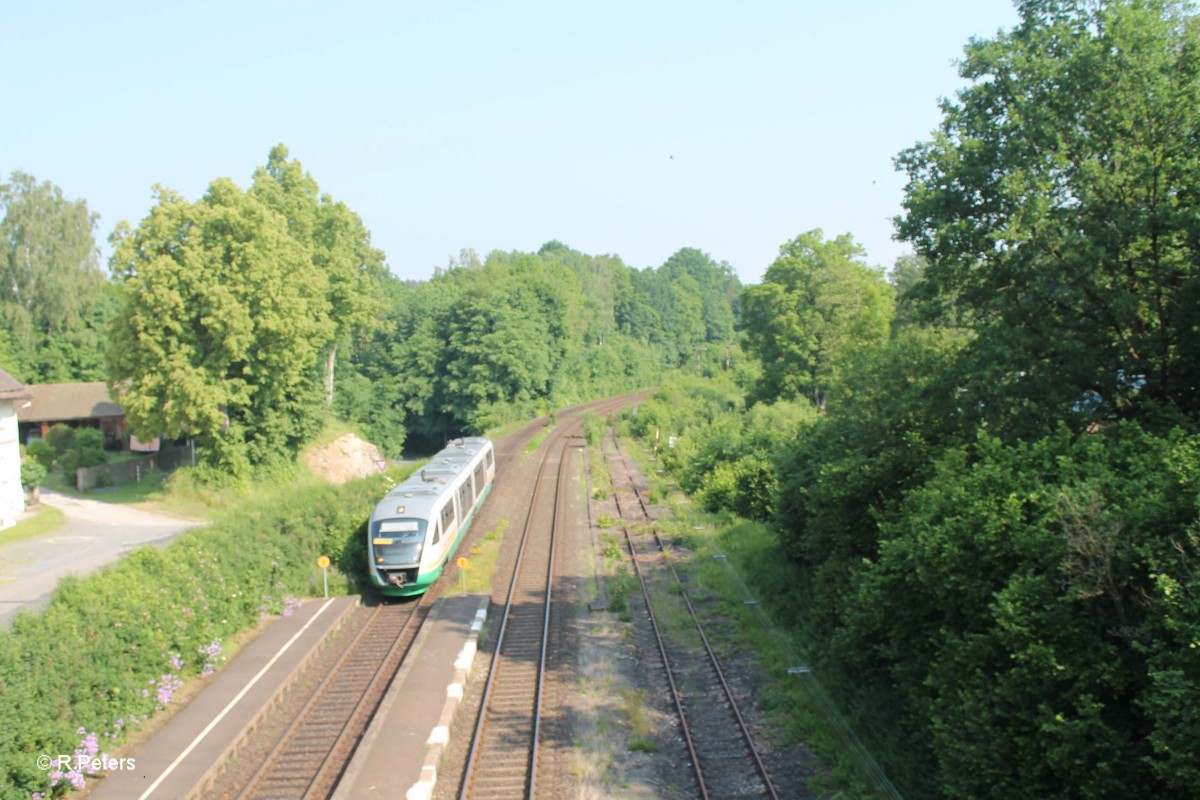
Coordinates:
61 402
11 388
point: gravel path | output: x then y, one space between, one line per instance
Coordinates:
94 535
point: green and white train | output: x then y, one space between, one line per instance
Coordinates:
418 525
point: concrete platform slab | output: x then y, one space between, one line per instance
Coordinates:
186 755
399 752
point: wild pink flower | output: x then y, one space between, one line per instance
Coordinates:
212 656
167 686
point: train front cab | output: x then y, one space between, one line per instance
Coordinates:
396 547
406 556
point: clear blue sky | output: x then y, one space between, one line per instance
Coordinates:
633 128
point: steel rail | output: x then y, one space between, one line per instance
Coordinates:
537 709
662 651
255 787
477 739
747 738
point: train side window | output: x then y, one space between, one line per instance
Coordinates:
490 461
479 478
448 514
437 532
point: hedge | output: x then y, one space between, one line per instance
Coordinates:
112 648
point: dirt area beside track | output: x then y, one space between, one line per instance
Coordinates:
345 458
609 728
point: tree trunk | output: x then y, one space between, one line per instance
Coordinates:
329 375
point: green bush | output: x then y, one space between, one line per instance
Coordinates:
723 454
1035 608
32 473
61 437
110 647
87 450
42 452
593 427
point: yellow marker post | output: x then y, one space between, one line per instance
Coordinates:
323 563
463 566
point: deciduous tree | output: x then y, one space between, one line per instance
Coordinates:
221 325
818 302
50 280
1057 206
335 240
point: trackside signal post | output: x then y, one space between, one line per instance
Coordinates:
463 566
323 563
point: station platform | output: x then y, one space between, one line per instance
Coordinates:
399 753
184 758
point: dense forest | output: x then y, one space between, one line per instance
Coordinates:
983 467
241 320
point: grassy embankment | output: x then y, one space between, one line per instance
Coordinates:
116 649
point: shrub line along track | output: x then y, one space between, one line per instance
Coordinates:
313 752
716 756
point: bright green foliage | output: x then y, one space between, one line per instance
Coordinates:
41 452
896 412
686 304
334 238
1057 209
717 286
593 428
906 274
97 656
1028 604
722 452
476 341
222 322
817 304
33 472
86 450
50 284
61 437
487 342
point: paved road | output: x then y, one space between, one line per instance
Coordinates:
95 534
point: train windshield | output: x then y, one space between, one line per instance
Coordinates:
397 542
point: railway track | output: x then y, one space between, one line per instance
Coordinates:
312 753
502 761
724 757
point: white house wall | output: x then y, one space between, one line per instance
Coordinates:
12 497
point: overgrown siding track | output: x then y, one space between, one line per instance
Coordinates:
313 752
724 756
